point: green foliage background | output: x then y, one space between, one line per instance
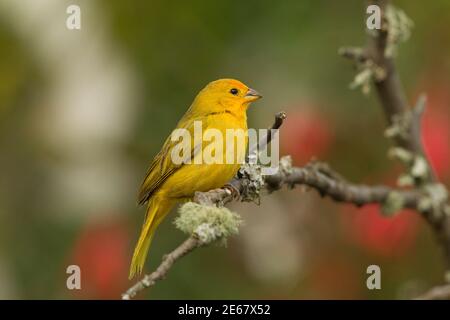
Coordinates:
288 51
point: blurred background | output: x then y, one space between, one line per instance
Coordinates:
82 113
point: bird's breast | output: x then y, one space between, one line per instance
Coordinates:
224 145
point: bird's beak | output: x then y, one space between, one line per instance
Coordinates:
252 95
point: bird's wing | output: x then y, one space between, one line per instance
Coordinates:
162 166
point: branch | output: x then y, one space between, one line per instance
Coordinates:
265 140
378 58
377 61
160 273
333 186
338 189
389 88
312 176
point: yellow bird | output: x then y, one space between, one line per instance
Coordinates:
220 106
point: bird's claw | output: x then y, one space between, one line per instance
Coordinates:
234 192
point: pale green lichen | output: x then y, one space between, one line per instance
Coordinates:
252 181
402 123
419 168
367 71
425 204
399 29
208 223
437 194
393 203
285 165
405 180
401 154
392 132
400 127
362 80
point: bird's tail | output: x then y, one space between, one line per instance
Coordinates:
156 211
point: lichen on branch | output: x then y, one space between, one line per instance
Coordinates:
208 223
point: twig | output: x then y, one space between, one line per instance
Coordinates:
168 260
265 140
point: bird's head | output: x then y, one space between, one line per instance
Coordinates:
227 93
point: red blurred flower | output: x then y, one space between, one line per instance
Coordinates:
101 252
334 277
306 134
384 236
436 138
436 123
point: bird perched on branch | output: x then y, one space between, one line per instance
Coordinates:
219 107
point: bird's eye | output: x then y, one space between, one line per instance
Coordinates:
234 91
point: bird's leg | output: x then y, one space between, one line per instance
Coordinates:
234 191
